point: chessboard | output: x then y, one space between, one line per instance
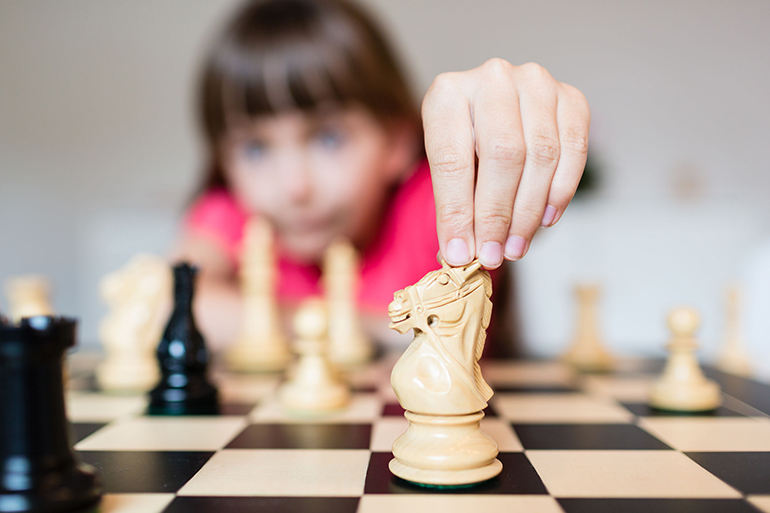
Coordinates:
568 443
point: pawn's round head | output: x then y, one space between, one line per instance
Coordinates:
310 320
683 321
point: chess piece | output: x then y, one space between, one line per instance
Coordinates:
734 358
314 387
348 343
28 296
587 353
438 380
184 388
261 344
39 472
136 295
682 387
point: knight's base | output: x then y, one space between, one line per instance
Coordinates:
446 478
445 450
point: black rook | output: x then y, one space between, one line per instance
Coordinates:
40 472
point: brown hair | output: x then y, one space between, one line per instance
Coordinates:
277 55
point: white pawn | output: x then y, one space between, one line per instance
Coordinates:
261 344
587 353
683 387
139 297
734 357
314 387
28 296
348 343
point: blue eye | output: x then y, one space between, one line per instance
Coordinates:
254 149
330 138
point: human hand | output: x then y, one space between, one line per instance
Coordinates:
529 133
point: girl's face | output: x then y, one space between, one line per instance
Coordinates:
316 176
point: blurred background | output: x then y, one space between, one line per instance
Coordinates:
99 149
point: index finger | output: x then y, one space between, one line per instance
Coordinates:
449 144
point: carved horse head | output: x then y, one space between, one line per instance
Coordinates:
453 305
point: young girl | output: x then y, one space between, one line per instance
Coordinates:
310 123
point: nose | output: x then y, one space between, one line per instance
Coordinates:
297 178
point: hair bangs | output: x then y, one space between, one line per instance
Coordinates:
282 55
300 78
290 66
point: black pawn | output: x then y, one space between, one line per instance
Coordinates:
39 472
184 388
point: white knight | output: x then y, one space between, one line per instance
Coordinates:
139 297
438 379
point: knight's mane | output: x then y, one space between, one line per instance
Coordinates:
483 386
473 276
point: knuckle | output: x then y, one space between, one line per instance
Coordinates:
444 86
448 163
497 218
578 101
575 140
506 149
456 217
576 94
444 81
526 220
497 66
544 150
535 70
581 103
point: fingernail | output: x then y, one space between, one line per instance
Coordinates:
514 247
491 254
457 252
548 216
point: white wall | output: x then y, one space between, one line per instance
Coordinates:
98 150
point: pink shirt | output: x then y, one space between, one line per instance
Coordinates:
404 251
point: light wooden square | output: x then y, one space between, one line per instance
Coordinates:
281 472
385 431
91 407
559 408
626 474
711 434
761 502
622 389
245 388
458 503
363 408
135 502
545 373
165 434
502 433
